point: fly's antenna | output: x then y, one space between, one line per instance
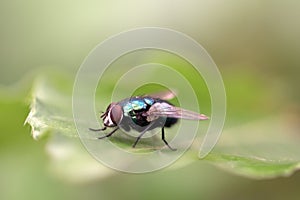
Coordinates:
103 114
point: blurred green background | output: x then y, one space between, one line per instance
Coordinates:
255 44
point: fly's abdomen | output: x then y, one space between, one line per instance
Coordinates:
170 121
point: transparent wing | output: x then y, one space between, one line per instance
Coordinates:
167 110
164 95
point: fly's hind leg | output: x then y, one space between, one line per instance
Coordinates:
165 141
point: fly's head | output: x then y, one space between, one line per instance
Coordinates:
113 115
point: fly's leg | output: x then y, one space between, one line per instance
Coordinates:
140 136
103 129
108 135
100 129
163 138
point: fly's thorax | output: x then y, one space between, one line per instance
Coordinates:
113 115
136 104
135 109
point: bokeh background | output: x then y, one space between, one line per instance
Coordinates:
255 44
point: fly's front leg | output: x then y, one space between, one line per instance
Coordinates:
100 129
108 135
103 129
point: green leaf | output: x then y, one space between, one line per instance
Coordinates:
264 148
258 168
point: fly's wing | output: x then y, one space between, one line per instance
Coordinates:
164 95
166 110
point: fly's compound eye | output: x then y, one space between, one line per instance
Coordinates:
116 114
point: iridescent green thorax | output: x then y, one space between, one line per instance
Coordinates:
135 107
137 104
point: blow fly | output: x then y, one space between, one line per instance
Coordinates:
144 113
